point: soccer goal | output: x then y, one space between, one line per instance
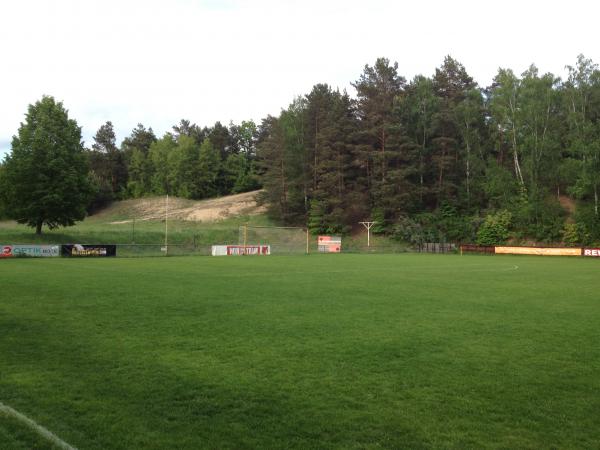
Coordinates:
282 240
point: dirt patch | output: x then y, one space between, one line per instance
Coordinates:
567 203
198 211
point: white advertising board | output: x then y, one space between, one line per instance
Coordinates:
239 250
8 251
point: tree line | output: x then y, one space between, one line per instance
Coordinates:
441 158
434 158
189 162
50 178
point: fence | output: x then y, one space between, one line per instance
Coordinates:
436 247
472 248
143 250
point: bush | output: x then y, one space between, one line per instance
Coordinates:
495 228
585 215
407 230
575 234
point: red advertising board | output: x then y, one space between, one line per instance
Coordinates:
329 244
591 252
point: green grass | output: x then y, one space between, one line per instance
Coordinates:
142 238
15 435
331 351
185 237
100 230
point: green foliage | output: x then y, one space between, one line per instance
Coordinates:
107 161
102 194
575 234
240 174
316 218
539 219
208 168
140 139
495 230
439 148
183 166
159 155
586 216
3 212
408 230
381 224
45 180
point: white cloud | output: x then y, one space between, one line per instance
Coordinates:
156 62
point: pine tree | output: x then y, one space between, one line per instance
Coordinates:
451 83
107 160
383 142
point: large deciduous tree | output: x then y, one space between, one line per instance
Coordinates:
45 179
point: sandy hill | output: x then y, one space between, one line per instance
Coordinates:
153 208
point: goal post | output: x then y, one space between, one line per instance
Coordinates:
282 240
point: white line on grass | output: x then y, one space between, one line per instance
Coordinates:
35 427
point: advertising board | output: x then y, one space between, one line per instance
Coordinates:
36 251
329 244
542 251
595 252
87 250
239 250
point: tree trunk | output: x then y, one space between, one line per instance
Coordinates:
516 159
38 227
441 176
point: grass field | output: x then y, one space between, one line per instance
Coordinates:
331 351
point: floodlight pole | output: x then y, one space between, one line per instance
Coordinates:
167 226
368 226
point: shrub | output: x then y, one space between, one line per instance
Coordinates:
495 228
575 234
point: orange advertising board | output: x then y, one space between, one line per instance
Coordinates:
542 251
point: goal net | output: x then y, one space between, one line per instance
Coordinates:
282 240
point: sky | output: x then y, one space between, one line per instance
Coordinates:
157 62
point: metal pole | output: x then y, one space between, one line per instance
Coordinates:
167 226
245 237
307 241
